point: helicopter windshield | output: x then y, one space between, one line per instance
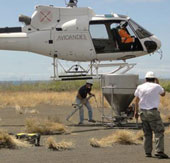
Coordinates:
140 31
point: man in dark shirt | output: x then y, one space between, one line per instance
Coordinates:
82 100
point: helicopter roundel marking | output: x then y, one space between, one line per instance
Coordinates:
45 16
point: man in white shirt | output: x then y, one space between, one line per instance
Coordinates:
147 100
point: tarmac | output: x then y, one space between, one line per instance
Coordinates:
82 152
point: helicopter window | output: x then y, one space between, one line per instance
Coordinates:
140 31
107 39
98 31
130 31
114 25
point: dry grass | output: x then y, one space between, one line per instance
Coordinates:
167 131
20 100
44 126
20 143
20 110
7 141
32 111
32 99
165 118
60 146
139 135
125 137
165 104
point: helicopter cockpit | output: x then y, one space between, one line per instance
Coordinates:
106 37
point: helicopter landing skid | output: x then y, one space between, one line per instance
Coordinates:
77 72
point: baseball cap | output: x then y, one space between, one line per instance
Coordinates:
150 74
89 82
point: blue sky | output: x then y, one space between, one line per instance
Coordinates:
154 15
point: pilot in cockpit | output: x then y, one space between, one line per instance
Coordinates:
125 36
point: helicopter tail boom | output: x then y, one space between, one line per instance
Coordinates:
14 41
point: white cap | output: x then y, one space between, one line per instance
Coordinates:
150 74
89 82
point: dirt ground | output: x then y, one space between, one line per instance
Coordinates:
13 122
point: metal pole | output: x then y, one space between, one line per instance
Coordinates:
112 101
103 116
54 67
102 100
91 67
97 68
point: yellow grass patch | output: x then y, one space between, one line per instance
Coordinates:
7 141
167 130
19 110
125 137
60 146
20 100
20 143
31 111
44 126
139 135
32 99
165 104
167 118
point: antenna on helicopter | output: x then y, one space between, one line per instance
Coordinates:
72 3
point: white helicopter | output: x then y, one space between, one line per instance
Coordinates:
79 35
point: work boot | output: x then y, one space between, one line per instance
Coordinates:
92 120
148 155
161 155
80 123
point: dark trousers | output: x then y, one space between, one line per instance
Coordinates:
152 123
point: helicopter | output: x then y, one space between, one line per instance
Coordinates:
78 34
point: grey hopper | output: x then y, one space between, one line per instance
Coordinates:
119 91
